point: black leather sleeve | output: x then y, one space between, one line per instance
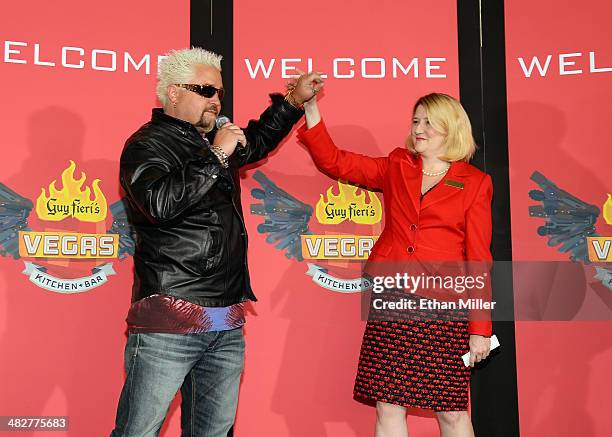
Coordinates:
162 191
266 133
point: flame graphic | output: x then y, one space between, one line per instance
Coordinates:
348 205
71 200
607 210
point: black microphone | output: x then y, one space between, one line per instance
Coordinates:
221 120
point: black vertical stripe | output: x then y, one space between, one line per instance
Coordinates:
482 82
212 28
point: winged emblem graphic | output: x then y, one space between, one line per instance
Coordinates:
287 221
286 218
569 222
15 210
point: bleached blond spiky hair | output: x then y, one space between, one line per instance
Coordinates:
178 67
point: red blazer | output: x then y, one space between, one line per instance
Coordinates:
453 222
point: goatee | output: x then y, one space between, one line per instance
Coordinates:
206 124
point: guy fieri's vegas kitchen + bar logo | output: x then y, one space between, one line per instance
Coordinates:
70 248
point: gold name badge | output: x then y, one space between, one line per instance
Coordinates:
452 183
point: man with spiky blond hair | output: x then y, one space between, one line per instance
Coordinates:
180 175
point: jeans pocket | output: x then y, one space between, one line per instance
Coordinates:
131 351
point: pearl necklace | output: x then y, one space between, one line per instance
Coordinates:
427 173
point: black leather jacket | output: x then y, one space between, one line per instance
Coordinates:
191 241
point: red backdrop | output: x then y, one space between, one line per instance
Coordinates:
63 354
303 343
559 125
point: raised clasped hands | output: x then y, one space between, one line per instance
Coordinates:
305 87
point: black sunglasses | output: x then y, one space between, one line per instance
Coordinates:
203 90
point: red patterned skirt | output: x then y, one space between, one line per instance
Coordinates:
415 363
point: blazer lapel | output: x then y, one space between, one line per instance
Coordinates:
410 167
452 184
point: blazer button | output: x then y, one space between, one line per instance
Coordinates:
411 249
413 227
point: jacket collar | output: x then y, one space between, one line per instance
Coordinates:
411 166
158 116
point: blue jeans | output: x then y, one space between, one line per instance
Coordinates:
206 367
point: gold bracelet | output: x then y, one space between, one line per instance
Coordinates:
291 100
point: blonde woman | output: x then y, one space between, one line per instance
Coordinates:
438 207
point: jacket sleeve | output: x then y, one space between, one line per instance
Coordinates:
159 190
266 133
341 164
478 242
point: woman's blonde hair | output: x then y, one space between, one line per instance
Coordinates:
447 116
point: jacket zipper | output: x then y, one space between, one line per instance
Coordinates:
243 236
